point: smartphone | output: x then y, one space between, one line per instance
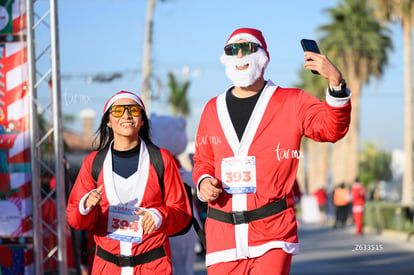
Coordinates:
309 45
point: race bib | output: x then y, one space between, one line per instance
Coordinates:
238 175
123 224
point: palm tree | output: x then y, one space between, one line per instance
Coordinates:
316 155
178 95
403 11
358 44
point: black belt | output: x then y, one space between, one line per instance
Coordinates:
239 217
122 260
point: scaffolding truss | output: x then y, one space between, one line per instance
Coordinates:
46 135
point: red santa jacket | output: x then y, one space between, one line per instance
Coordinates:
174 210
273 135
358 197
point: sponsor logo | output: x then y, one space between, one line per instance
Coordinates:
203 140
283 153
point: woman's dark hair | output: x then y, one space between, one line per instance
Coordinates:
144 131
104 135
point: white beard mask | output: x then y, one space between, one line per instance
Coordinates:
243 78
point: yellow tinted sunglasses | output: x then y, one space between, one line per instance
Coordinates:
118 110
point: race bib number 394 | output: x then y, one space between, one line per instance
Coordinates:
124 225
238 174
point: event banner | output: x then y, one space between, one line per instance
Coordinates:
16 205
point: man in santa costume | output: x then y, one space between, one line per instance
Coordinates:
247 153
358 201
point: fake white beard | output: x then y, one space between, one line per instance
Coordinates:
243 78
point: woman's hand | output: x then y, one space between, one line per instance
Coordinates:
148 223
94 198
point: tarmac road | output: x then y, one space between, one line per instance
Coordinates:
324 250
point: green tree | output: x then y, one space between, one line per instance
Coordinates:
374 165
358 43
178 95
316 153
403 11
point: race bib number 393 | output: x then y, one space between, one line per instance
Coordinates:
123 224
238 174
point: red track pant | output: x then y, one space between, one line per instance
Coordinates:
358 219
273 262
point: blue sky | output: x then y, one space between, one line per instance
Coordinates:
106 36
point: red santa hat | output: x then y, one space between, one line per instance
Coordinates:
251 35
124 94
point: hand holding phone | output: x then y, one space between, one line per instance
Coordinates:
309 45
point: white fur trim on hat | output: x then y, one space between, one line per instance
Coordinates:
123 94
245 36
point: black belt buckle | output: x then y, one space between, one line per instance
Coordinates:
124 260
238 217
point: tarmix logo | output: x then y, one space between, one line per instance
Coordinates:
207 139
282 153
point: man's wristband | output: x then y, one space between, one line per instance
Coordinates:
338 91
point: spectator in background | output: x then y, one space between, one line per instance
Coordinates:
296 192
358 202
297 196
49 216
321 197
170 133
341 199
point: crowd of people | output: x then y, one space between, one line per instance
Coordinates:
244 172
347 202
349 199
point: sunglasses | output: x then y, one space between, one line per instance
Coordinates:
118 110
246 47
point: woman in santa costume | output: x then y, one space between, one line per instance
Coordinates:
247 154
129 215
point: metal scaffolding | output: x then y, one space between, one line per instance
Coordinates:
45 99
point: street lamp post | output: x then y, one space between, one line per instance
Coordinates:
146 67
